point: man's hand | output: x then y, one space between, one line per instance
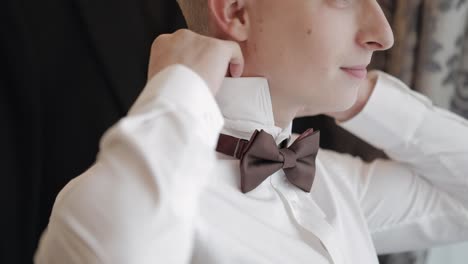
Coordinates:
364 93
210 58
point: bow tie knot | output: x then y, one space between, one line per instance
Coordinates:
260 157
289 158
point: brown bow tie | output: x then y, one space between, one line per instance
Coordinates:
260 157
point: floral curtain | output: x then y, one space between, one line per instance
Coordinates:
431 50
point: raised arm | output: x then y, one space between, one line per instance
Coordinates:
137 203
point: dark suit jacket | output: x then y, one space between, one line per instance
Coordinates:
69 70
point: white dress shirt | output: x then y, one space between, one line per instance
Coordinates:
159 193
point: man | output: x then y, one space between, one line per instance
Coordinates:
158 191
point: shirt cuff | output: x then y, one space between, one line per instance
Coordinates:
391 116
188 93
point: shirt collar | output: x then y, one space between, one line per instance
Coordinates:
246 106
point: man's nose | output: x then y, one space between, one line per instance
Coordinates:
375 33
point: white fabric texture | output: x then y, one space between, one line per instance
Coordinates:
159 193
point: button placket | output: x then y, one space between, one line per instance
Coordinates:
310 218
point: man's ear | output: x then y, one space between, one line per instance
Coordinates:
230 19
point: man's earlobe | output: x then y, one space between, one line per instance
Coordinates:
229 19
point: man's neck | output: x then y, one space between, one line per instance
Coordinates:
283 111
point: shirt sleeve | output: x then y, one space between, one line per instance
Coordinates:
137 203
419 198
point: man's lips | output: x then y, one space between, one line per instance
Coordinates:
359 72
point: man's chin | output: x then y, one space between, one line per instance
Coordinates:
341 104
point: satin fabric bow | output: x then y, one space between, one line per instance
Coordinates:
260 157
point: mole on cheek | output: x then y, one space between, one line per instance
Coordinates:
309 31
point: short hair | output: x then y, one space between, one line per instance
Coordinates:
196 15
